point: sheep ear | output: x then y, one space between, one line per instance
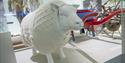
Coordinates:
57 3
54 5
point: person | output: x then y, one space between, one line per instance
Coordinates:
19 11
27 11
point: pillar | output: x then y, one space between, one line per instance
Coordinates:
5 3
123 31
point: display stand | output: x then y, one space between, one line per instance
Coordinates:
6 50
72 56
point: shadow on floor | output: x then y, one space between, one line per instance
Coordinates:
79 39
117 59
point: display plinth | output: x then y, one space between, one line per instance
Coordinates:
72 56
6 50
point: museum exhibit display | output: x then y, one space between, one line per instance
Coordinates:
62 31
49 30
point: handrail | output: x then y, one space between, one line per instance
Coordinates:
106 18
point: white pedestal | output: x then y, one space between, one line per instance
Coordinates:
6 50
72 56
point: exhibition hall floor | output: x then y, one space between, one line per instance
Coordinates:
102 49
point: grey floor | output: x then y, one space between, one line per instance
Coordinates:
116 59
102 51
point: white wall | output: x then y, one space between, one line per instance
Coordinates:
79 2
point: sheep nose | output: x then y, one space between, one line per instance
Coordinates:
77 23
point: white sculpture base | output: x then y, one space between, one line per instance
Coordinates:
6 50
72 56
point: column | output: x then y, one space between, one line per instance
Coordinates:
123 31
5 3
3 25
